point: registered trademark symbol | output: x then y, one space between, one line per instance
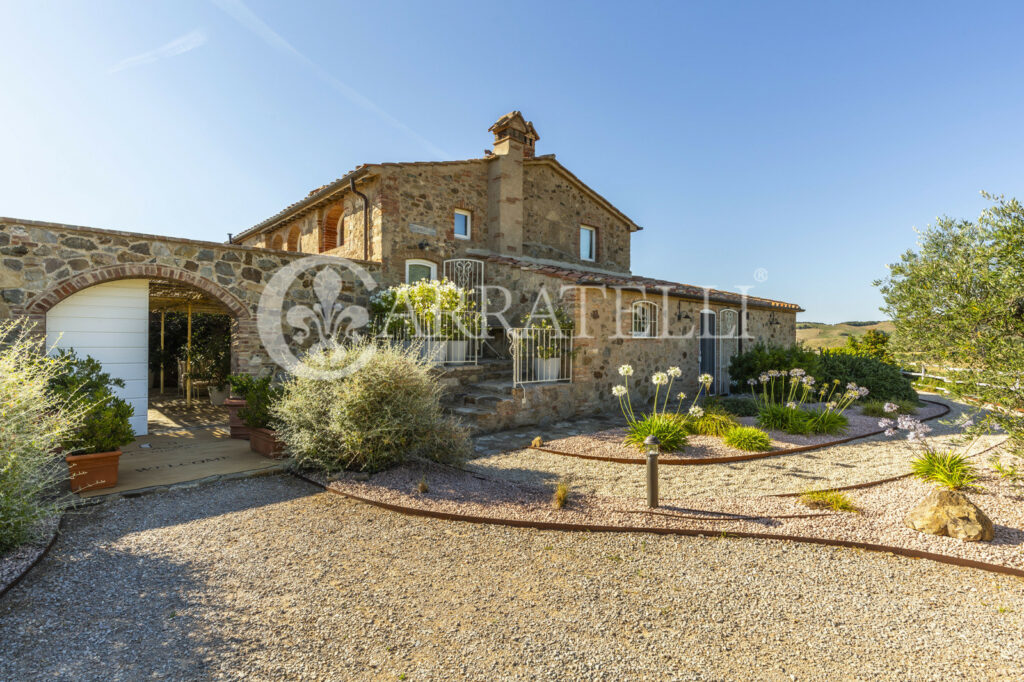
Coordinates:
760 275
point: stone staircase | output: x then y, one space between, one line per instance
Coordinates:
477 393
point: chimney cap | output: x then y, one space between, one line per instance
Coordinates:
515 126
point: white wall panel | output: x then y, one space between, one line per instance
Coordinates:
110 322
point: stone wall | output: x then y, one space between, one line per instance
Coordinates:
44 263
555 209
419 202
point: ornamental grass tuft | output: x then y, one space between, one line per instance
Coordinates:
710 424
561 495
827 422
748 438
828 499
669 429
945 468
775 417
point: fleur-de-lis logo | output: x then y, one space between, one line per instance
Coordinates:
329 320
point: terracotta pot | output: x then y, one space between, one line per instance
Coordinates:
238 427
98 470
265 442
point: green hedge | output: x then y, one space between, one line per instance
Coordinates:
884 381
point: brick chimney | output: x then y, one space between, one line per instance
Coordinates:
514 139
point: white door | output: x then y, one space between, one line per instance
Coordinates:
110 322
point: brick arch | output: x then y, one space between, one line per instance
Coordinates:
61 290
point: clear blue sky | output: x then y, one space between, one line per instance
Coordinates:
804 138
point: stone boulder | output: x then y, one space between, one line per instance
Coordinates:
948 512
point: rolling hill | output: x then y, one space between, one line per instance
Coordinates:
821 335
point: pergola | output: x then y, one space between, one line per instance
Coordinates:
173 297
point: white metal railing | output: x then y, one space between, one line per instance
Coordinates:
540 355
443 338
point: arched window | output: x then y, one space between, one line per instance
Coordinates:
293 238
416 269
333 227
276 242
645 319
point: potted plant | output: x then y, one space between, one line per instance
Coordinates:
438 313
546 344
239 385
220 370
259 398
92 450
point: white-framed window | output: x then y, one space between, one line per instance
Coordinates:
645 319
416 269
588 243
463 224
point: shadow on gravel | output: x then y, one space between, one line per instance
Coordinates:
103 606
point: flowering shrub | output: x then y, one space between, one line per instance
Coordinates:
944 468
33 422
427 308
783 395
379 416
668 427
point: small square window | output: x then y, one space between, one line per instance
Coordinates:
588 243
463 224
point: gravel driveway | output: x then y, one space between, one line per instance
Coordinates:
271 579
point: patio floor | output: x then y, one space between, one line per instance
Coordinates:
184 444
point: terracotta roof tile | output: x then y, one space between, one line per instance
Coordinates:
586 277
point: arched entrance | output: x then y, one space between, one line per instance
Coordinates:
106 314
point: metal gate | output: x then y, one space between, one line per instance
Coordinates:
467 273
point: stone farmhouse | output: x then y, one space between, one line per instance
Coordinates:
510 221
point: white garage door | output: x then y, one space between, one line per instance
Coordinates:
110 322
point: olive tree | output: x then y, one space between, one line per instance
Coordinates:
958 303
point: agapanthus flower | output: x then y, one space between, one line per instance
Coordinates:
659 378
626 370
791 405
674 372
681 396
862 392
808 381
831 404
751 382
618 391
851 386
891 407
705 379
696 411
797 372
763 378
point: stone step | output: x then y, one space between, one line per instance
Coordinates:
499 386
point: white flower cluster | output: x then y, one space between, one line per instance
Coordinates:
706 379
626 370
659 379
891 407
618 391
916 430
681 396
696 411
675 372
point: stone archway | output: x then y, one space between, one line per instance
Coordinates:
39 305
